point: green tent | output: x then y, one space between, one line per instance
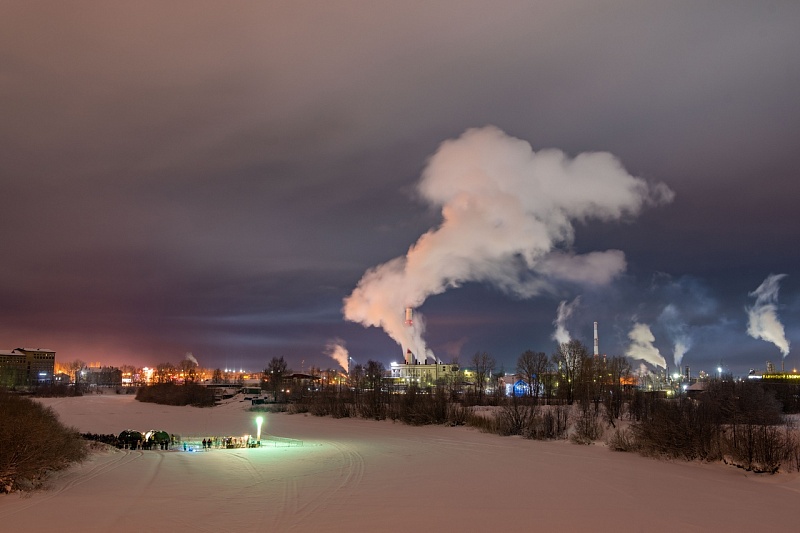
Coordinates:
159 435
130 437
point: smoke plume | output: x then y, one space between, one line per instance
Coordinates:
561 335
763 320
336 350
641 346
678 332
507 220
190 357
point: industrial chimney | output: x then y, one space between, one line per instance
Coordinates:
596 347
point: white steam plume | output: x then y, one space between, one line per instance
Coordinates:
505 210
561 335
189 357
641 346
678 332
336 350
763 320
679 349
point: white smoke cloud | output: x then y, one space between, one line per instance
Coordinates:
189 357
642 348
763 322
508 215
679 349
335 348
561 335
593 268
678 332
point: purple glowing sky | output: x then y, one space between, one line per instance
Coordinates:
215 178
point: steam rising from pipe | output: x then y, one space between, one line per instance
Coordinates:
641 346
189 357
763 322
507 220
561 335
335 348
678 332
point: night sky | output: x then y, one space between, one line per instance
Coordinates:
217 177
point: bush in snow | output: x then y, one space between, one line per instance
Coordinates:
34 443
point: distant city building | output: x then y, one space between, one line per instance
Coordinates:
515 385
26 367
106 376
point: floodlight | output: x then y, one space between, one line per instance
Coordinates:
259 421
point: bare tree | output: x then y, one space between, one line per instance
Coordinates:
498 391
189 370
75 368
591 382
357 378
570 357
618 369
484 365
374 374
274 372
374 406
454 384
525 369
532 366
164 373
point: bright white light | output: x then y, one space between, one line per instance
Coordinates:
259 421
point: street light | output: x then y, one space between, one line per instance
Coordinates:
259 421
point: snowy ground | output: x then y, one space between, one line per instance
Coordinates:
358 475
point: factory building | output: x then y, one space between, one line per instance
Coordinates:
422 375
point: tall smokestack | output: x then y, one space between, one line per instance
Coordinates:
596 346
409 317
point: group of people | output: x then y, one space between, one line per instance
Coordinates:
225 442
221 442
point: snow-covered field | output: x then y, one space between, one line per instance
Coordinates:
360 475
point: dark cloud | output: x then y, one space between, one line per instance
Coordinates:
217 178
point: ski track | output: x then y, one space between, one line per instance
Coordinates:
139 486
304 497
103 464
287 507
